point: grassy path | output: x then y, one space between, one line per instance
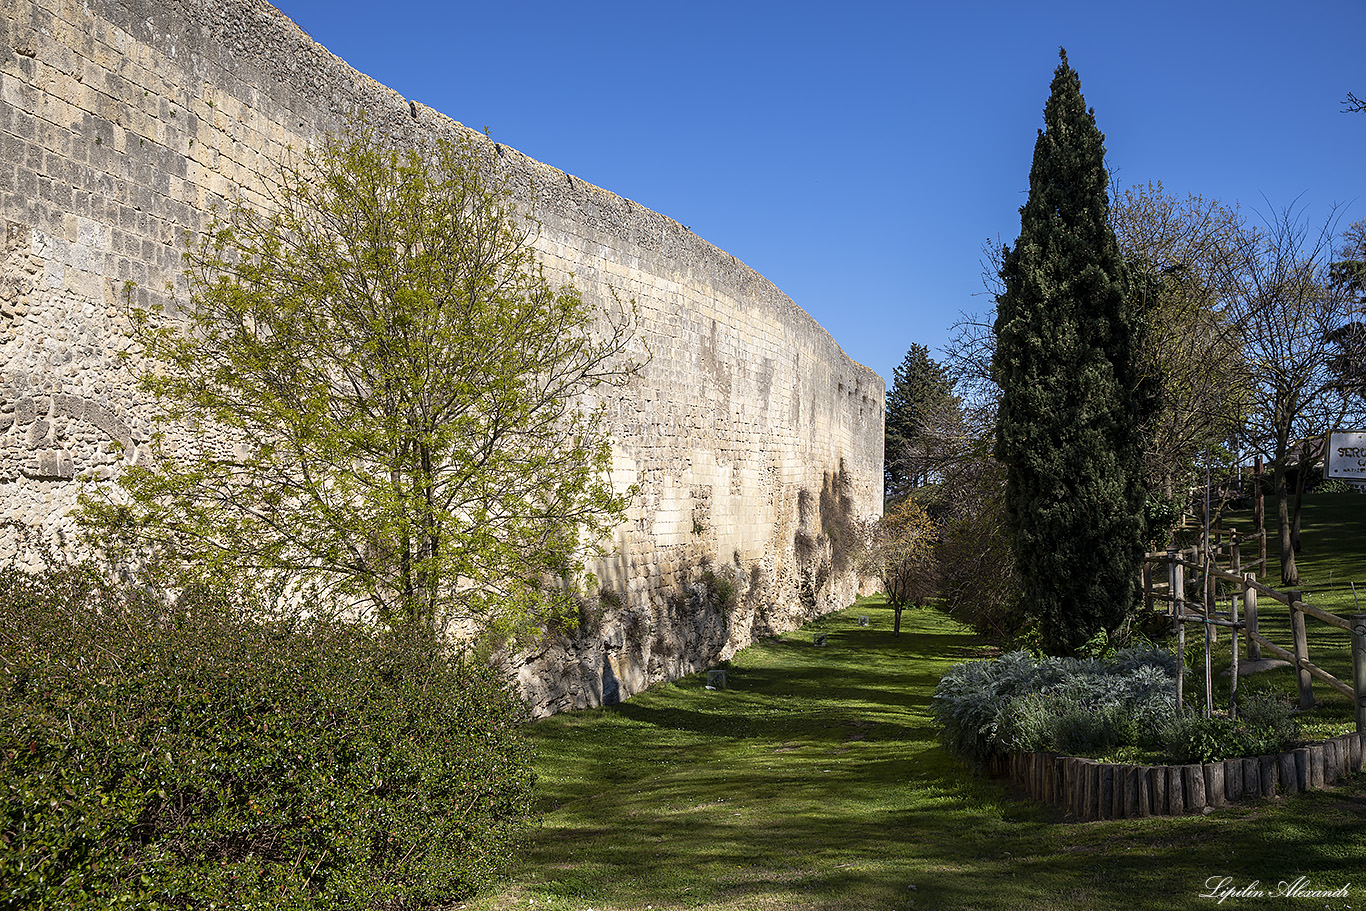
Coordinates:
815 782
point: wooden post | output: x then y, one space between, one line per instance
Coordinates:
1251 768
1147 587
1210 605
1235 554
1254 648
1359 668
1259 514
1269 774
1233 778
1209 663
1301 649
1233 647
1178 586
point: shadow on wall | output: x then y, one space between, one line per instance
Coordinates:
613 649
611 686
696 618
834 547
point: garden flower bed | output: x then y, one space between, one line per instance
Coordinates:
1088 789
1037 720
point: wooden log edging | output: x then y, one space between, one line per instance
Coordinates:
1089 790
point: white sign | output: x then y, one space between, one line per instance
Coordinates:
1347 455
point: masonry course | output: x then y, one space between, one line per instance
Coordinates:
754 439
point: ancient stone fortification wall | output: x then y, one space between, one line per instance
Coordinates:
753 438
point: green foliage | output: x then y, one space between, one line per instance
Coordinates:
1094 707
1063 704
919 402
1334 487
1264 726
719 588
382 392
1050 723
1178 252
187 755
977 577
1073 404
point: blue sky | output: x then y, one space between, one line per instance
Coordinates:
859 155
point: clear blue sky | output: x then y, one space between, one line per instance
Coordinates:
860 154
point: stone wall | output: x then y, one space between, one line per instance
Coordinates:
753 438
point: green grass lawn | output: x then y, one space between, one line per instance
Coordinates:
815 781
1332 557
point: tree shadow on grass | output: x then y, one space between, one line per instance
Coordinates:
818 783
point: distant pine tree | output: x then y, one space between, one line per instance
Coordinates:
1069 427
920 388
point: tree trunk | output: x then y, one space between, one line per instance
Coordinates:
1290 574
1300 476
1259 500
896 623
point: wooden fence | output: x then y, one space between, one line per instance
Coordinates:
1247 590
1087 789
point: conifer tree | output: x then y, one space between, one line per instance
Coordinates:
920 393
1073 404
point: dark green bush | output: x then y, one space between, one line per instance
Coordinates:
1264 726
193 756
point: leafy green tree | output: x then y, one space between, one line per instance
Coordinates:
1069 429
384 397
920 405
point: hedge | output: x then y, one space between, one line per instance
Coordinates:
191 754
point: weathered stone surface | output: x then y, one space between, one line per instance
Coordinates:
750 433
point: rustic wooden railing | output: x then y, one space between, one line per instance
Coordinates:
1248 590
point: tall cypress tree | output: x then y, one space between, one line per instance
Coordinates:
1073 403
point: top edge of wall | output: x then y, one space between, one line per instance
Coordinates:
282 61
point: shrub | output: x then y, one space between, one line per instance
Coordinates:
1091 707
1064 704
1264 726
189 755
